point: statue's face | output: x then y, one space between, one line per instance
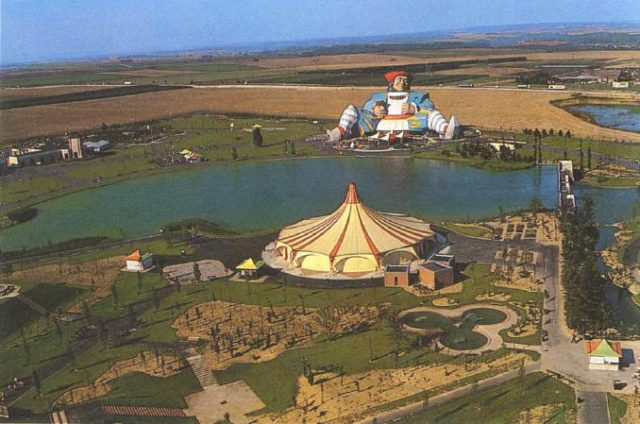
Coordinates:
401 83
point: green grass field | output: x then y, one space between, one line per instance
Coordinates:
504 404
21 190
492 165
139 389
63 78
617 409
468 230
208 67
55 297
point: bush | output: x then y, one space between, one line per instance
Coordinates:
22 215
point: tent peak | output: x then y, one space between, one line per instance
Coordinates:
352 194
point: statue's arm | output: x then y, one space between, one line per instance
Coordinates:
421 101
368 106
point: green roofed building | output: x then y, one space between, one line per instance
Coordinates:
603 355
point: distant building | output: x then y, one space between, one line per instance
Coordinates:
436 275
139 261
557 87
250 268
96 146
191 157
603 355
28 157
396 276
607 75
75 148
620 84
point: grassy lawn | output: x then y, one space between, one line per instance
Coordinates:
479 281
139 389
13 315
468 229
55 297
351 352
492 165
504 403
156 246
20 190
131 288
43 342
611 182
617 409
85 369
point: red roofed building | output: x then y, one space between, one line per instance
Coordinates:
603 355
139 261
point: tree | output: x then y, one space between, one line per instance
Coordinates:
36 381
568 134
197 275
257 136
589 157
139 281
535 205
156 300
114 293
293 148
234 153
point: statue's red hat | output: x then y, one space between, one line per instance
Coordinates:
390 76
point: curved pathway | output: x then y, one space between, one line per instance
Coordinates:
490 331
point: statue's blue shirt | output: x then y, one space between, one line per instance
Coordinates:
419 99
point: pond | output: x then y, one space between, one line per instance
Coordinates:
623 117
457 333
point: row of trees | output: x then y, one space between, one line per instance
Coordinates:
486 151
544 133
586 306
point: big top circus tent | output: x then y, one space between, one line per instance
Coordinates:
354 239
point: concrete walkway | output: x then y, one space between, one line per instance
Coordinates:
594 409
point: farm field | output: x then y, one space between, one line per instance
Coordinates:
485 108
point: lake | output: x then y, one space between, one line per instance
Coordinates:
262 195
623 117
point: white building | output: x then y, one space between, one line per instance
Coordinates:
139 261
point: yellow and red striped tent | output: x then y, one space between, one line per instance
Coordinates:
354 239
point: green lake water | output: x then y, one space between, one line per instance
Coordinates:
261 195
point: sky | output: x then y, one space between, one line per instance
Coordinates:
36 30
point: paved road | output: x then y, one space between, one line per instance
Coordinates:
594 409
